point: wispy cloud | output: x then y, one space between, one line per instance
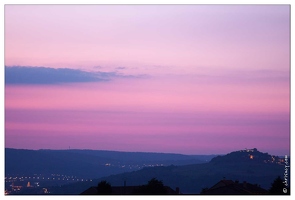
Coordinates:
45 75
229 76
120 67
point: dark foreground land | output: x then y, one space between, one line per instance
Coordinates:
74 171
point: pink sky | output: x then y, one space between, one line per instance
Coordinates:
216 78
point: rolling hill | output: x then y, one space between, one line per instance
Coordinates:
89 163
247 165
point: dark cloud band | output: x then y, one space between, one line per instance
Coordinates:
45 75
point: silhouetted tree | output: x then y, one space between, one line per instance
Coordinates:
154 186
104 187
277 187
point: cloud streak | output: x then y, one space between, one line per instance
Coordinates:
45 75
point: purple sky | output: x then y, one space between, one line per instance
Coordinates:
191 79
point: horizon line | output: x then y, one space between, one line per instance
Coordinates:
135 151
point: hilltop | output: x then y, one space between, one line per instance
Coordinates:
252 155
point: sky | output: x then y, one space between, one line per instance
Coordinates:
190 79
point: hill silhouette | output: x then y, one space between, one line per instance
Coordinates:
246 165
89 163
